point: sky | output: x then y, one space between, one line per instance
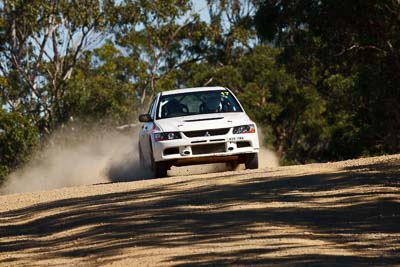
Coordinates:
200 6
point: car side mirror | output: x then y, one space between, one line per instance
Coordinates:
145 118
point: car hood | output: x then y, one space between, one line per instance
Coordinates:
204 121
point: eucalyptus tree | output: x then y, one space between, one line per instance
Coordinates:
157 38
17 139
233 32
349 51
40 44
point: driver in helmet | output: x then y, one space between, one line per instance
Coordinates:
212 102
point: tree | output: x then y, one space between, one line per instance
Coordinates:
17 138
165 36
40 44
232 31
290 112
100 89
349 52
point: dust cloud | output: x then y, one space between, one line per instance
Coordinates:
266 157
91 157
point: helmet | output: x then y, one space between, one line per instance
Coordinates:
213 101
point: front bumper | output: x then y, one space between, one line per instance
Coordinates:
205 149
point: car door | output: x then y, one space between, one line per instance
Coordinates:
145 134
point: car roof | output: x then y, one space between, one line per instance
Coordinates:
193 89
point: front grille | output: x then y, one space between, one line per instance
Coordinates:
208 149
171 151
211 132
243 144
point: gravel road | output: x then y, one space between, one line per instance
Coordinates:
333 214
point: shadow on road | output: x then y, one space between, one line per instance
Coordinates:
172 216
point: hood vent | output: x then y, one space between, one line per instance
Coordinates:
206 119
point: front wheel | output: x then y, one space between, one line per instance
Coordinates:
160 169
142 162
251 161
232 165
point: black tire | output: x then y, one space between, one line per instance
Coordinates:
251 161
141 159
160 169
232 165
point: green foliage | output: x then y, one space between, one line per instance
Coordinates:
289 110
40 44
102 92
163 37
349 52
17 138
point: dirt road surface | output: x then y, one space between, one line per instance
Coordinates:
335 214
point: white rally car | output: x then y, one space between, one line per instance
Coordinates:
196 126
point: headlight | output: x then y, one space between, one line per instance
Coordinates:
244 129
166 136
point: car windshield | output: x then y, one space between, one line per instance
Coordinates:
195 103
